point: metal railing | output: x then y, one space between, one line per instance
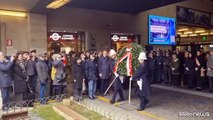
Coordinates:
25 105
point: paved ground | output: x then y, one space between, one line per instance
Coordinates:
169 105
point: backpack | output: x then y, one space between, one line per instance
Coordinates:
53 73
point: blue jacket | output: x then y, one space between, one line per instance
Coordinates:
5 74
91 70
104 67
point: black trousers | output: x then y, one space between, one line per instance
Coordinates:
190 81
176 80
117 91
158 74
143 102
198 79
104 85
152 76
210 83
166 76
78 93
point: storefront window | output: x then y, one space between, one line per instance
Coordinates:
64 41
120 40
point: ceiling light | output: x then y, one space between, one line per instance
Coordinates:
183 29
184 36
179 33
13 13
204 34
57 4
193 35
199 31
188 32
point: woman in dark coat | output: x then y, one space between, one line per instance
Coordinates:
189 65
175 66
199 70
20 78
79 78
141 76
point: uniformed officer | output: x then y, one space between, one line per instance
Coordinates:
118 89
141 76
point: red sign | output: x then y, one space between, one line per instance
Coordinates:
9 42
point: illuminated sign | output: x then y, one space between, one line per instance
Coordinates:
61 36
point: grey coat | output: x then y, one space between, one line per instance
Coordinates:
210 65
42 71
5 74
104 67
60 69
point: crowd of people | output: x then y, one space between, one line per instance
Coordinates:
193 70
27 72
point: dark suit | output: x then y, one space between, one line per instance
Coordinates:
190 72
166 76
118 88
142 74
152 69
5 80
159 66
104 69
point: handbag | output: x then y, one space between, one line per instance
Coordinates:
61 77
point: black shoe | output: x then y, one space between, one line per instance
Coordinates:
112 102
119 100
91 98
210 90
140 109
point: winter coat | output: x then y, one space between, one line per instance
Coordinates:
60 69
210 65
78 75
104 67
30 67
91 70
151 63
20 77
142 73
5 74
190 64
176 66
117 84
42 70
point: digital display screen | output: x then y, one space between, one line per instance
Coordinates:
162 30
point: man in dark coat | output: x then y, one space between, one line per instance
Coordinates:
29 63
166 76
104 69
43 75
91 70
118 88
5 78
141 76
152 68
159 66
